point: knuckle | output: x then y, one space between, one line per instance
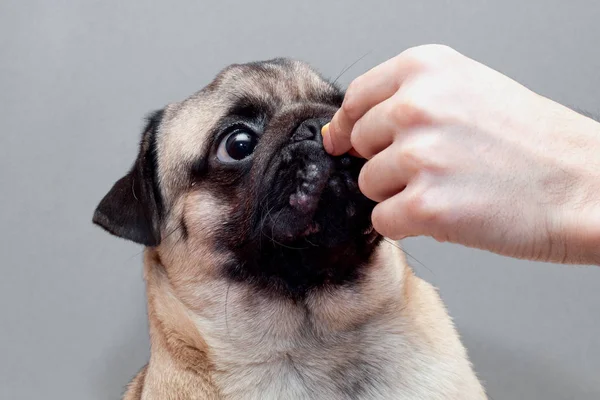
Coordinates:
411 57
381 221
351 103
440 49
409 154
334 128
356 138
364 179
431 102
350 107
429 54
422 152
423 207
353 86
421 95
407 111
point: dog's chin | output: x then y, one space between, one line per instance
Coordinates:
327 222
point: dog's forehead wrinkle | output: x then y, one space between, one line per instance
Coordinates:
282 79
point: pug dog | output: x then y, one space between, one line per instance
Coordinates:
265 278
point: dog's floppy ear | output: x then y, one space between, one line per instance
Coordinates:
132 208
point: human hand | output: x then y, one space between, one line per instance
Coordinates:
464 154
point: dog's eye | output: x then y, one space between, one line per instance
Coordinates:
237 145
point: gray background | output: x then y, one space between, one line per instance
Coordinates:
78 76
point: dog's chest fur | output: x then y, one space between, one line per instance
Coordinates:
353 365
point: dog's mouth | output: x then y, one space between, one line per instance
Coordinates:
317 196
312 178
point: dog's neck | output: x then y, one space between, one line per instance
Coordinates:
385 336
228 326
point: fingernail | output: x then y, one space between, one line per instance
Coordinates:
327 143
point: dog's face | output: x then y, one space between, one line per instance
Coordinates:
238 172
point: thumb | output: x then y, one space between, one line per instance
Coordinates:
336 134
327 143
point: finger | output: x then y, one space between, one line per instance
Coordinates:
352 152
386 174
366 91
377 129
392 219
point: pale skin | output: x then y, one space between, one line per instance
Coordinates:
459 152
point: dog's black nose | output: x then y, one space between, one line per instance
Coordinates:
310 130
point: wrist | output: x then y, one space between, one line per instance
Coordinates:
581 239
578 235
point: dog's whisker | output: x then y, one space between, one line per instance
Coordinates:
408 254
263 220
347 68
139 253
311 243
226 314
273 225
273 222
